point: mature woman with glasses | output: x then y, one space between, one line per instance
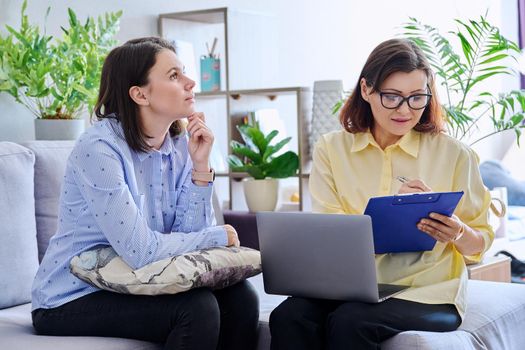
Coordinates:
393 129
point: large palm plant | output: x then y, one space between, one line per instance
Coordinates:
485 54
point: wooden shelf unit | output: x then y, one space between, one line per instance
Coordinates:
234 99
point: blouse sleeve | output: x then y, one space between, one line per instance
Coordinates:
99 174
322 187
473 207
194 210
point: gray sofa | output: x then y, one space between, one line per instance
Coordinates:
30 177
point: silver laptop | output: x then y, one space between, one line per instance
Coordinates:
325 256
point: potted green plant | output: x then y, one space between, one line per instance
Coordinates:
257 158
485 54
56 79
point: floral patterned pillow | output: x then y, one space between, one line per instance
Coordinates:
215 268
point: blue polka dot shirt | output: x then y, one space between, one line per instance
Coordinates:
144 205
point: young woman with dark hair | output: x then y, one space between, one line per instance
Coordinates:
139 181
393 127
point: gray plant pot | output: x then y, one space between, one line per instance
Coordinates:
58 129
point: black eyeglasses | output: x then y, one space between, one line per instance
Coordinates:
391 100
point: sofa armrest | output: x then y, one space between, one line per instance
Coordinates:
246 225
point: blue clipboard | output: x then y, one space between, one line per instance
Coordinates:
394 219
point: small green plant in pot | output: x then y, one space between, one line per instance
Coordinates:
56 79
257 158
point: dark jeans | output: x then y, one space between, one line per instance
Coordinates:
198 319
300 323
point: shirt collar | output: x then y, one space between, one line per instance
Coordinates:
408 143
362 140
165 149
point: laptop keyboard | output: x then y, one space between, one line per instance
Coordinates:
386 290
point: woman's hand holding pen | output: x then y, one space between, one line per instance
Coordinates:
412 186
200 141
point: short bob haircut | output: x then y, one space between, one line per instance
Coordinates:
391 56
126 66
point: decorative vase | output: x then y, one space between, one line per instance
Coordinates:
58 129
261 195
326 94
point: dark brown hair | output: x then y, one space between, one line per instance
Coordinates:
391 56
126 66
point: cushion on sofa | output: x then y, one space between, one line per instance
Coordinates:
489 324
215 268
18 250
494 320
50 166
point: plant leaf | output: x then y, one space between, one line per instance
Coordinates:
271 136
235 163
270 150
242 150
283 166
256 172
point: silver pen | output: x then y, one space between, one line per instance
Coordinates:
402 179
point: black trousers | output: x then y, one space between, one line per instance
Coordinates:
300 323
198 319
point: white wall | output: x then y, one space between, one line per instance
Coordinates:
317 40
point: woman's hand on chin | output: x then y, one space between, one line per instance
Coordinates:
200 141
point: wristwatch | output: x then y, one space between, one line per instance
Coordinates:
203 175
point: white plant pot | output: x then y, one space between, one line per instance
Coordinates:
261 195
58 129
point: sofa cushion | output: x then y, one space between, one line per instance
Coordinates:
50 166
494 320
267 302
215 268
18 249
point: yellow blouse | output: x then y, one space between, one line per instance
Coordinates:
348 169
